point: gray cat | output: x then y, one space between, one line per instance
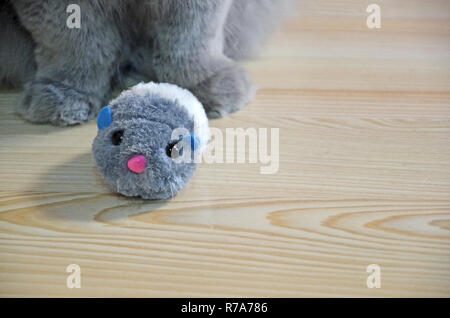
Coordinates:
68 73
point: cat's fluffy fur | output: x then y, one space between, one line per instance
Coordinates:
68 73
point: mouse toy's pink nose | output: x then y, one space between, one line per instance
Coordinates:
137 164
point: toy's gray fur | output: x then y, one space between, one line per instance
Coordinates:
190 43
148 122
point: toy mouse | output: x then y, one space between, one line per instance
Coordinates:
150 139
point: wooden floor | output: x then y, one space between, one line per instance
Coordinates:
364 178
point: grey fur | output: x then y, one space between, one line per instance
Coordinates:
191 43
16 45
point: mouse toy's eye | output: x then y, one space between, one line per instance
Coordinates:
174 149
117 137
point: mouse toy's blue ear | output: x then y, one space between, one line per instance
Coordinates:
193 140
104 118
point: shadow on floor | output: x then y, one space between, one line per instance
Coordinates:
75 192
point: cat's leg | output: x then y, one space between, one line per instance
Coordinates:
250 22
74 65
189 52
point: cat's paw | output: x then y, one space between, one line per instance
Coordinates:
227 91
46 101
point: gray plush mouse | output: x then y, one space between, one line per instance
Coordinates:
150 140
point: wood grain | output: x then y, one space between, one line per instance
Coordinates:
364 178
